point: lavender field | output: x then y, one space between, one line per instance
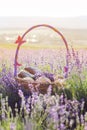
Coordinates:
64 105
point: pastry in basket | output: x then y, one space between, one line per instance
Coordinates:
24 80
32 70
43 80
23 74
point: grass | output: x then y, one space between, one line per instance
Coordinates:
36 46
31 46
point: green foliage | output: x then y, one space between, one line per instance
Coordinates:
19 124
78 86
80 127
7 121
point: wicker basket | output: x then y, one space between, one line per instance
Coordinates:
37 86
41 87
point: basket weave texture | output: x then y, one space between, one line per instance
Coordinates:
34 79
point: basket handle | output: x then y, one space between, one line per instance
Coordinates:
21 40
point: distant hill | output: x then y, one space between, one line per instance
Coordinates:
25 22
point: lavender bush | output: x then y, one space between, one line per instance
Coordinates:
43 112
65 109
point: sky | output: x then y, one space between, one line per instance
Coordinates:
47 8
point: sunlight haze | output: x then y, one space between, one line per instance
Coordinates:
50 8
